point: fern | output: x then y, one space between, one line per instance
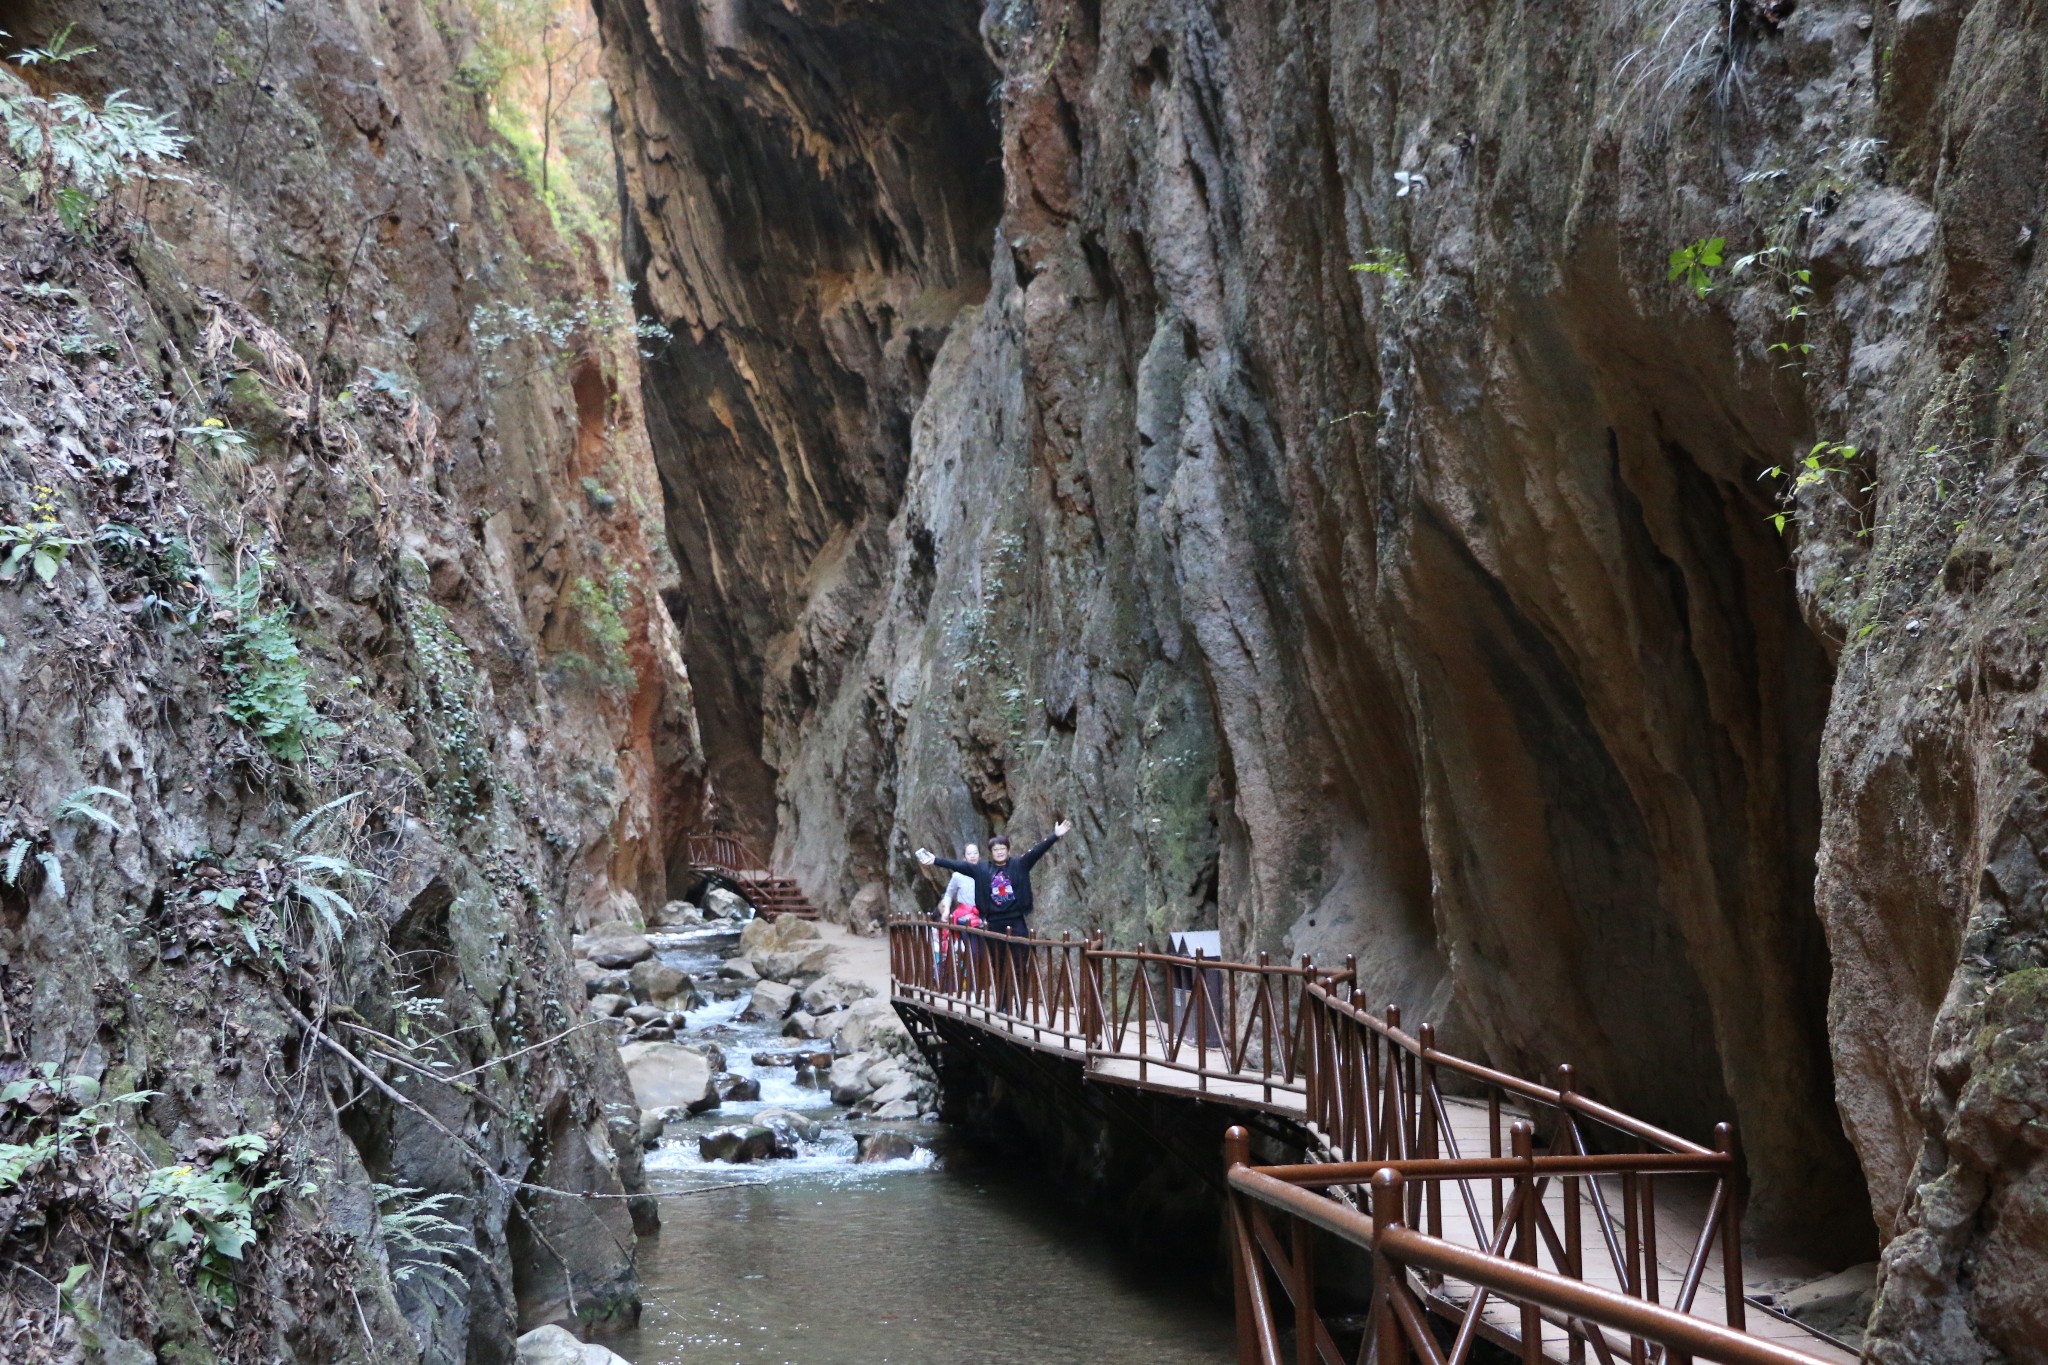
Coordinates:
267 679
79 806
415 1233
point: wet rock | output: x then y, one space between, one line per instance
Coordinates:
732 1087
602 980
721 988
835 992
608 1006
740 969
647 1014
666 1074
795 1057
754 1143
897 1110
772 1000
556 1346
799 1025
798 1127
885 1145
897 1089
847 1080
614 946
657 983
809 1076
653 1125
719 903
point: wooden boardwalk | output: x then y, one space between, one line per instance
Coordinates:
1053 1012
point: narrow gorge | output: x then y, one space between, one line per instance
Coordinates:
1542 501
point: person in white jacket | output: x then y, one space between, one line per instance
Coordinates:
959 890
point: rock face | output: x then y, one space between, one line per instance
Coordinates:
333 650
1337 507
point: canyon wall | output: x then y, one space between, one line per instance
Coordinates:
1504 491
348 693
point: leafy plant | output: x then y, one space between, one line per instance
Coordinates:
268 680
1825 460
212 1208
217 439
76 155
171 573
1387 262
600 608
38 544
1797 282
1695 263
416 1235
79 806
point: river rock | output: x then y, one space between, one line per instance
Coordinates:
795 1125
653 1125
657 983
885 1145
772 1000
897 1110
753 1143
556 1346
647 1014
720 903
723 988
809 1077
678 915
799 1025
835 992
801 964
608 1006
614 946
740 968
776 935
733 1087
891 1091
665 1074
601 980
872 1026
848 1081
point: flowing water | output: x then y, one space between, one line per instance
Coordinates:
944 1258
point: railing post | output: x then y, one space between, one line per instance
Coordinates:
1574 1248
1237 1151
1387 1199
1521 1139
1306 1319
1732 1200
1432 1190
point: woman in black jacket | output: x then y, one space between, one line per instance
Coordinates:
1002 891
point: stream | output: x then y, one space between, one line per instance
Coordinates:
934 1259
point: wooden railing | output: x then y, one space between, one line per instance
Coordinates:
732 860
1411 1269
1518 1212
726 853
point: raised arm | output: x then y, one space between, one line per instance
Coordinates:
954 865
1043 846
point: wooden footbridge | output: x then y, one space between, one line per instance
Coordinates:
1493 1208
729 860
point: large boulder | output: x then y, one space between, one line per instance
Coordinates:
885 1145
835 992
894 1089
601 980
678 915
848 1080
805 962
772 1001
665 1074
872 1026
791 1124
754 1143
740 968
555 1346
777 935
609 1006
614 945
720 903
657 983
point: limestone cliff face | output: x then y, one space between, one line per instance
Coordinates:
356 655
1337 507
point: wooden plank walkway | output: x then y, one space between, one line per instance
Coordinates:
1148 1063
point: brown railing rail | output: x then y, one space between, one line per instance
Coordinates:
1523 1213
731 859
1410 1268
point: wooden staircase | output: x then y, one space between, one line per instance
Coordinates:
727 859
